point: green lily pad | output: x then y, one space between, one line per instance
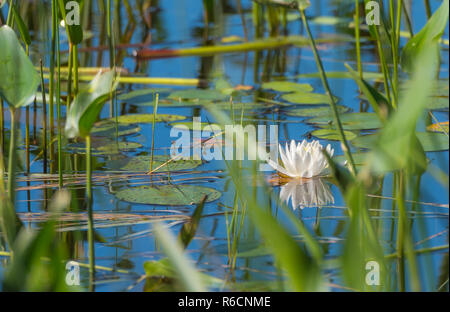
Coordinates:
141 92
315 111
109 129
332 134
436 102
198 94
431 141
287 86
204 126
142 118
170 195
107 149
307 98
142 163
350 121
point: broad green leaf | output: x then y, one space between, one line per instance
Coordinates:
19 79
73 27
379 103
189 228
142 163
170 195
307 98
431 33
22 27
350 121
287 86
87 105
185 272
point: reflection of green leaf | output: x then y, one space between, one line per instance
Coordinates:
287 86
350 121
306 98
171 195
430 33
18 78
142 163
332 134
431 142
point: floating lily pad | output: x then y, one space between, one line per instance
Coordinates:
142 118
171 195
142 163
350 121
107 149
431 141
204 126
307 98
141 93
315 111
109 129
198 94
287 86
332 134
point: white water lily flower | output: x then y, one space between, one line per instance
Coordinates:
306 193
304 160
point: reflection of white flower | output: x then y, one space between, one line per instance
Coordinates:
306 193
304 160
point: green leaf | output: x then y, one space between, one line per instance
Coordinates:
287 86
74 32
87 105
430 33
189 277
189 228
307 98
22 27
171 195
303 4
19 79
109 148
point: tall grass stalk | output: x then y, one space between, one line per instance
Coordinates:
337 121
44 122
155 112
58 99
357 38
90 213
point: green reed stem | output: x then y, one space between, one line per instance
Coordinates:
357 36
27 138
52 66
2 124
90 213
337 121
384 68
69 77
44 122
12 158
428 8
75 69
155 112
58 104
9 20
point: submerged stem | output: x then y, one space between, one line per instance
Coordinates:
90 213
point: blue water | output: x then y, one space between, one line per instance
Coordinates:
180 20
